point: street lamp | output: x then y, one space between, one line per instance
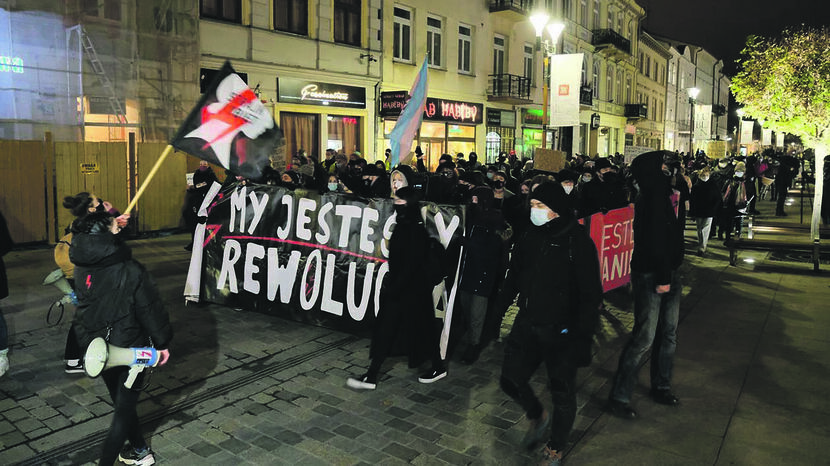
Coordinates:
541 22
740 113
693 92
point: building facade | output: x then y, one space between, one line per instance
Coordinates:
652 72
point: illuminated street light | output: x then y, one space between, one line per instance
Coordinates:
541 22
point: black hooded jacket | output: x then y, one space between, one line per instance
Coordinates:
658 232
117 298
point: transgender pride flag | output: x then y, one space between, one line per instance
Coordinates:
410 119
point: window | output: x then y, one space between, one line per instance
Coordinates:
640 63
402 32
627 88
498 54
434 41
596 14
584 81
609 22
567 9
609 83
302 131
647 67
344 133
347 22
596 80
291 16
528 63
225 10
583 13
672 72
620 94
620 19
107 9
465 45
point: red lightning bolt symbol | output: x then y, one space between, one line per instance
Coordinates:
88 281
226 114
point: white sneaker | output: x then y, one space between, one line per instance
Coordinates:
4 361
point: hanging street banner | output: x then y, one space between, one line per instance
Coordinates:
613 235
747 127
310 257
703 122
565 78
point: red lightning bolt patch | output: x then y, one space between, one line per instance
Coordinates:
88 282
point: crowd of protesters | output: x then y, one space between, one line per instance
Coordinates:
522 237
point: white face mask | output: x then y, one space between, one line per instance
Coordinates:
490 175
397 184
568 188
332 186
586 178
739 174
539 216
704 178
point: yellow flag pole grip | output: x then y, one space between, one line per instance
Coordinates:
134 201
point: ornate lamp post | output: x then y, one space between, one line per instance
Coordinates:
541 23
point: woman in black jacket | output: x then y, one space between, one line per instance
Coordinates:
704 203
119 302
407 317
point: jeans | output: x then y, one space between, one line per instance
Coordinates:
72 350
655 327
125 425
474 308
704 226
527 347
4 333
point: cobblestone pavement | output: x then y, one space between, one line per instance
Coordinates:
250 388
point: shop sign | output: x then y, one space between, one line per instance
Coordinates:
298 91
630 129
506 119
532 116
391 104
595 121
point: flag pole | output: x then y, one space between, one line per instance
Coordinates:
134 201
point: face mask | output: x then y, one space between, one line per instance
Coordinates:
704 178
201 168
397 184
722 164
499 184
490 175
586 178
609 177
332 186
739 174
667 172
539 216
568 188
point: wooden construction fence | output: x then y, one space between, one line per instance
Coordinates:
35 176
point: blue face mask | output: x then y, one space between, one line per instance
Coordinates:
332 186
539 216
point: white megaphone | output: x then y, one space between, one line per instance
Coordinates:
101 355
57 279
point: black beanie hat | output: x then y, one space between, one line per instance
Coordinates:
552 195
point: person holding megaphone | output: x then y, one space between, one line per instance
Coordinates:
119 302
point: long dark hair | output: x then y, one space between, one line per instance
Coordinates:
78 204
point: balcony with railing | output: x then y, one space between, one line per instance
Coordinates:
517 10
586 96
610 43
636 111
509 88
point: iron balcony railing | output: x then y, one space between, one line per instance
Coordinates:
636 111
509 86
605 37
586 96
525 6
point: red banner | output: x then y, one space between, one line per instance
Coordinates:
613 234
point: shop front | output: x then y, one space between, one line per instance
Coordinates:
531 134
315 116
501 133
449 126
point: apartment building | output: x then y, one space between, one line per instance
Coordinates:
652 70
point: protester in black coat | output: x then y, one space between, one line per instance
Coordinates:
483 247
406 318
555 271
703 206
5 247
119 302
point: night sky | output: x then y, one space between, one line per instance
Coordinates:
721 26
